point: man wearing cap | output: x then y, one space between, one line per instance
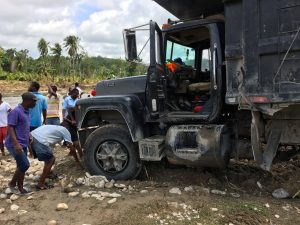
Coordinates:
17 139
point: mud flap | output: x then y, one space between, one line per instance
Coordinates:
271 149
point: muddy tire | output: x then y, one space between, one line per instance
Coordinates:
109 151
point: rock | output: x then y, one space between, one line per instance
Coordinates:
85 195
73 194
92 180
130 188
100 198
188 189
14 207
8 191
2 210
104 194
80 181
213 181
205 190
3 196
267 205
29 198
120 185
124 189
96 195
100 184
22 212
259 185
114 195
235 195
144 191
30 176
218 192
277 216
280 193
175 191
8 201
14 197
52 222
68 190
91 192
214 209
61 206
109 185
113 200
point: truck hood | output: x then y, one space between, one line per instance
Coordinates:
191 9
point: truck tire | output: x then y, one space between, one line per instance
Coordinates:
109 151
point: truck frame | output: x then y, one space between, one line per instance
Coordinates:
226 70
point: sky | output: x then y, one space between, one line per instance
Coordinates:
98 23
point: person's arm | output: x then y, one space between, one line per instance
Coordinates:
16 144
50 90
73 152
44 110
70 113
44 116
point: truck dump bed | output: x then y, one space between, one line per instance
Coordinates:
263 50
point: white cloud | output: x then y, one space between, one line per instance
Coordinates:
97 23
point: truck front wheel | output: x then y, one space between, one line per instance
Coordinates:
109 151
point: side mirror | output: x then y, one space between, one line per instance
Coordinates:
130 45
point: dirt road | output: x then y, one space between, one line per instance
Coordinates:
239 195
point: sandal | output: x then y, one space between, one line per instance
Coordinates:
45 187
25 192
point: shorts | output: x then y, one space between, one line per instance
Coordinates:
3 131
53 121
21 159
43 152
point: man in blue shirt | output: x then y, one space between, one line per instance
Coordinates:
40 108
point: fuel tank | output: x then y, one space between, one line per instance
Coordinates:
199 145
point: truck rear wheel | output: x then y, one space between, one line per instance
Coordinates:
109 151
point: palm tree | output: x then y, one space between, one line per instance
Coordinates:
43 47
71 43
56 52
11 54
21 58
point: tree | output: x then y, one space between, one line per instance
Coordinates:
43 47
21 60
71 43
56 51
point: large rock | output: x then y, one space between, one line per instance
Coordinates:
73 194
113 200
14 197
61 206
2 210
280 193
52 222
14 207
175 190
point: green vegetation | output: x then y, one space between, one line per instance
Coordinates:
77 66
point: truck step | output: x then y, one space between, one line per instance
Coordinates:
152 148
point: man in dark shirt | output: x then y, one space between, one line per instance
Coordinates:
17 139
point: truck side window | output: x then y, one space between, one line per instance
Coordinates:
205 60
185 53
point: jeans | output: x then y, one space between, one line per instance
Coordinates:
53 121
21 159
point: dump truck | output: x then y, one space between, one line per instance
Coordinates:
225 71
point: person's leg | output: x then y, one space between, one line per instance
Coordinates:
78 148
44 153
46 171
2 138
22 167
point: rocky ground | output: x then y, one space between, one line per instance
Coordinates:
163 194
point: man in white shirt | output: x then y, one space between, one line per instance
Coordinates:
44 139
4 110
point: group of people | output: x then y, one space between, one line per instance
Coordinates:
35 126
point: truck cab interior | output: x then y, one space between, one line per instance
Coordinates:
188 62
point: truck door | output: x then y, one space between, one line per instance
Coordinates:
155 87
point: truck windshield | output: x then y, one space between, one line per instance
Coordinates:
180 53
